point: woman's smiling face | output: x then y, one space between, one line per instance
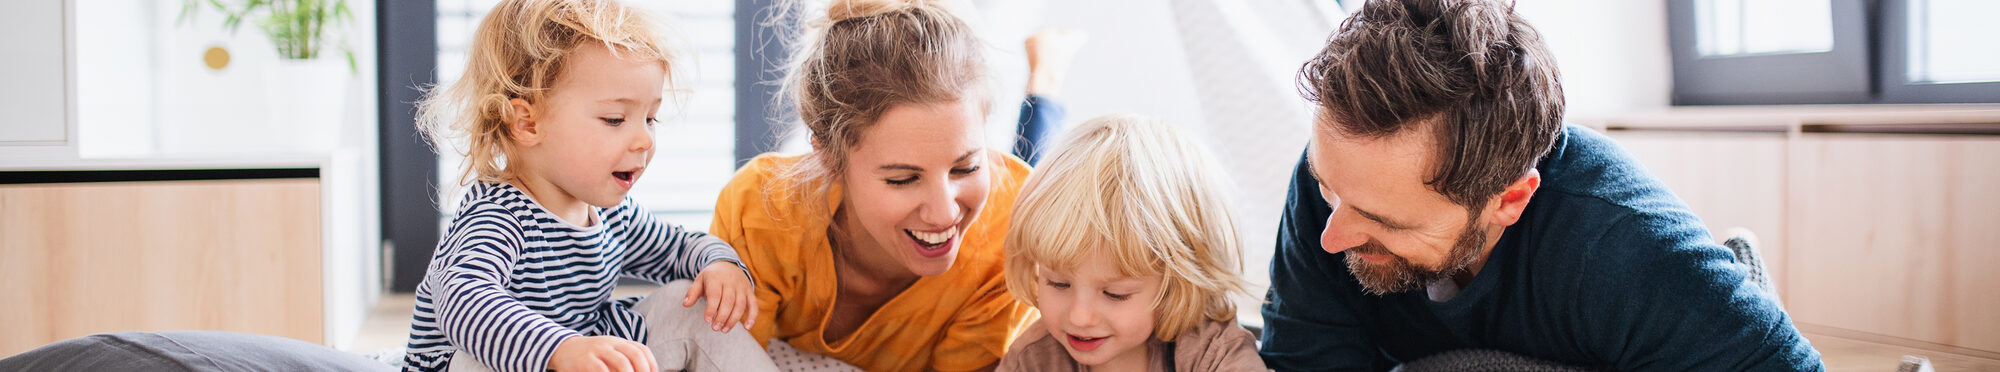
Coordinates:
915 181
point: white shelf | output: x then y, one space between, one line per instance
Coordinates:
1797 118
57 162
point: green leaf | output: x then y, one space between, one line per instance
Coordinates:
341 13
296 28
188 8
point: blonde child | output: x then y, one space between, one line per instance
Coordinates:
1124 241
556 110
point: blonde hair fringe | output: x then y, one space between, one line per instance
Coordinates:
1137 191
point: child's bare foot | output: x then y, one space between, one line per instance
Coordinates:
1050 52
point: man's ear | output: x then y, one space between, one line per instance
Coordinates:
1514 199
521 123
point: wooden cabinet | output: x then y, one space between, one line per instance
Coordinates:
1898 236
230 255
1880 224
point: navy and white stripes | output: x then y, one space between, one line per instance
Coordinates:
510 281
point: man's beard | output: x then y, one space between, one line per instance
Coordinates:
1399 275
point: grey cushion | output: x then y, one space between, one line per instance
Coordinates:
186 351
1481 360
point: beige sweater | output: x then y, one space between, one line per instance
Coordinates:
1211 346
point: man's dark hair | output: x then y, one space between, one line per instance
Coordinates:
1471 69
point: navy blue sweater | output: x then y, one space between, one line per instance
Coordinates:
1605 269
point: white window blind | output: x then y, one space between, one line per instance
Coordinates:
696 137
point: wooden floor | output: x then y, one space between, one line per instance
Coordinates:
388 326
1845 354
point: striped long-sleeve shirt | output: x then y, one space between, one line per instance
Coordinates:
510 280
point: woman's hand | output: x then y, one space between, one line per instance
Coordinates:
731 296
601 353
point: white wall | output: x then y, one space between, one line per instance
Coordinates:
117 115
33 73
1613 54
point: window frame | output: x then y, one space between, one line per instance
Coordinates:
1869 64
1895 58
1840 75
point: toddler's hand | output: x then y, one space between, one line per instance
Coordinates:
731 296
601 353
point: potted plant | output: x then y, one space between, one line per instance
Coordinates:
305 92
297 28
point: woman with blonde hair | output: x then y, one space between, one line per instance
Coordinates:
881 246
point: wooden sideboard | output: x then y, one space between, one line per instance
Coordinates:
1879 222
232 255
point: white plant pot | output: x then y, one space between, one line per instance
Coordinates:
304 102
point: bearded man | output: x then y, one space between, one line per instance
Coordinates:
1442 205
